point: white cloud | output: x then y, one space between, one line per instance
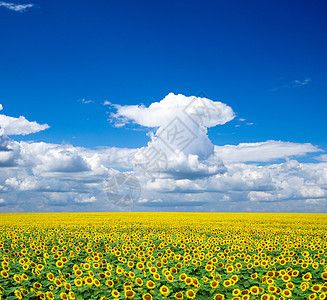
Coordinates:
272 182
292 84
87 101
1 107
144 200
180 143
16 7
86 200
316 201
322 157
261 151
29 183
54 158
296 83
19 126
2 200
199 176
202 111
8 150
260 196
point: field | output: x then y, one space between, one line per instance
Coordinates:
163 256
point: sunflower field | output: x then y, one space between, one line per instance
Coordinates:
163 256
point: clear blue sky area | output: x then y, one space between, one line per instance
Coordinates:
266 59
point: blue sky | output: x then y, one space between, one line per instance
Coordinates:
265 60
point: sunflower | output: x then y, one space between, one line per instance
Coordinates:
4 274
182 277
18 294
115 293
150 284
140 266
164 290
57 282
96 282
147 297
78 282
107 273
190 294
129 294
304 286
49 295
119 271
59 264
286 278
214 284
219 297
208 268
89 281
324 275
227 283
179 296
254 290
139 281
230 269
188 280
316 288
286 293
312 296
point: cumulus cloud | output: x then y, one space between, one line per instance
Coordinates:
29 183
16 7
54 158
8 150
1 107
202 111
179 168
19 126
179 144
272 182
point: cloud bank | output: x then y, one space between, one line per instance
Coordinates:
179 168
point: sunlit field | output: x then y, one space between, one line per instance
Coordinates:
163 256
